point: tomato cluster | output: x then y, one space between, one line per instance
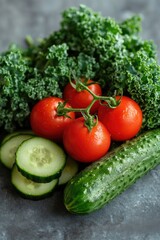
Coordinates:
85 144
81 99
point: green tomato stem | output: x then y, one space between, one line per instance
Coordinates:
90 121
112 102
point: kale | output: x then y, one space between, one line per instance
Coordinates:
53 69
13 101
86 45
143 85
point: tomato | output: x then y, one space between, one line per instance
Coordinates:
83 98
124 121
84 145
44 119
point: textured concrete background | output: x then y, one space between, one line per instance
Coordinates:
135 215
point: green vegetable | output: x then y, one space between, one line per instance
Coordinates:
29 189
86 45
13 101
13 134
69 171
103 180
9 147
40 160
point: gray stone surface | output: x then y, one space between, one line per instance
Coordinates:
135 214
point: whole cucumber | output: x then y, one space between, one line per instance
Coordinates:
103 180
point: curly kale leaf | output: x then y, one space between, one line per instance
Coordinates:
53 70
13 101
131 26
143 85
49 71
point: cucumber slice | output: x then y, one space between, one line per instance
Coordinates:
10 135
9 147
30 189
40 159
69 171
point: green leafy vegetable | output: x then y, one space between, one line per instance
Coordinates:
13 100
86 45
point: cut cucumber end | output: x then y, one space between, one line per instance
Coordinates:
9 147
69 171
30 189
40 159
16 133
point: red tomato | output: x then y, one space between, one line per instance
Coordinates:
124 121
83 98
84 145
44 119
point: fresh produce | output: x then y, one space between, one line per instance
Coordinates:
103 180
10 135
9 147
44 119
30 189
86 139
40 159
87 45
79 98
70 170
37 167
84 145
34 80
124 121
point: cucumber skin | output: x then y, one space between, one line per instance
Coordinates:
105 179
16 133
33 197
40 179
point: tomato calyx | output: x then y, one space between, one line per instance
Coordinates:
90 121
77 84
62 110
